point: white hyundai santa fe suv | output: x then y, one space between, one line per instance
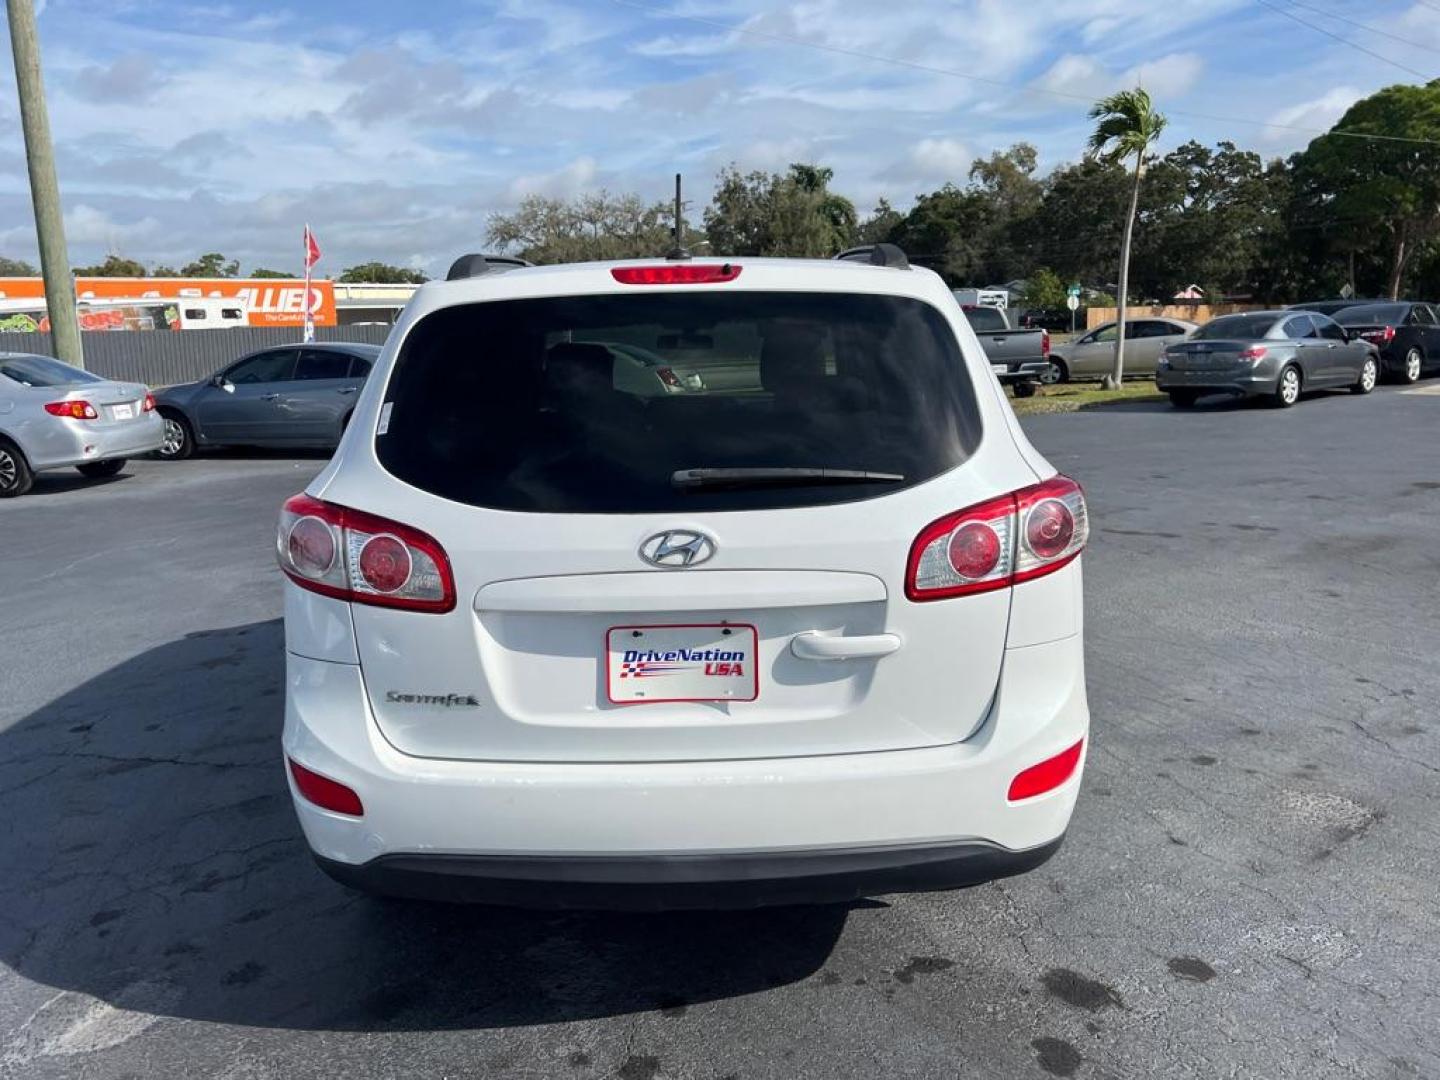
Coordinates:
807 629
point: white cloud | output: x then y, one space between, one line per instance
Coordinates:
941 157
1317 114
563 183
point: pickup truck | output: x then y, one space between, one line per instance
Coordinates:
1018 358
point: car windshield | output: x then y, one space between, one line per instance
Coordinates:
1236 327
984 319
1373 315
43 371
762 399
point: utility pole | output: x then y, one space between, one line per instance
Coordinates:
44 188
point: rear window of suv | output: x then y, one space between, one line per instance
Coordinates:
609 403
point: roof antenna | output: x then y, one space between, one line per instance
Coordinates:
678 252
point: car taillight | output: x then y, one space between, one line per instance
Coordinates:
676 274
668 376
1383 336
1045 344
1254 352
998 543
351 555
1047 775
326 793
72 410
149 405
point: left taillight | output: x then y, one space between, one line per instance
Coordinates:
998 543
72 410
362 558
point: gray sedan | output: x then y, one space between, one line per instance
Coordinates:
293 396
53 416
1092 356
1273 354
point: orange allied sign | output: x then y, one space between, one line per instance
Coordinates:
268 301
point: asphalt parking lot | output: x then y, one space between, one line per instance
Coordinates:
1248 889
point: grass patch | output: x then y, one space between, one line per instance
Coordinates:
1072 397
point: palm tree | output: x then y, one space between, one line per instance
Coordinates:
1128 126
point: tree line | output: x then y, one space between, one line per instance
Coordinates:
1360 206
214 265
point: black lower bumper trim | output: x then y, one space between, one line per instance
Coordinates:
670 882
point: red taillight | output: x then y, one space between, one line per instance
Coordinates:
1383 336
326 793
72 410
1047 775
1002 542
1045 344
149 405
351 555
385 564
676 274
1254 352
668 376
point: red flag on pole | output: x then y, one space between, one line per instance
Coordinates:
312 256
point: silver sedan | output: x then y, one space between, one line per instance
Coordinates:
53 416
1092 355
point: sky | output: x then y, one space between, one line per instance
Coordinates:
397 129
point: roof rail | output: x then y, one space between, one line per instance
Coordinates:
473 265
877 255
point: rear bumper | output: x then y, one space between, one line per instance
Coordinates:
727 833
677 882
76 442
1019 372
1238 381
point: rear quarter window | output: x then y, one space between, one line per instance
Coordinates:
591 404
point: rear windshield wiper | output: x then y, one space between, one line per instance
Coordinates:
691 479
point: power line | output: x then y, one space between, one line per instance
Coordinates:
787 39
1362 25
1343 40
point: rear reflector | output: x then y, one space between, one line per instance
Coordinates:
1046 776
676 274
326 793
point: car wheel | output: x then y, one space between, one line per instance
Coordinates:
1183 399
1055 373
15 475
1369 373
1287 388
179 441
1414 363
1024 389
98 470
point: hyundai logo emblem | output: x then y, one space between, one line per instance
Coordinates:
677 548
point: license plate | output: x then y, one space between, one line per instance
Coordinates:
122 412
1000 369
647 664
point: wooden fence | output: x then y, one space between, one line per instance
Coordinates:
1196 313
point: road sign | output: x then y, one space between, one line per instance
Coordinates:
1072 301
1074 290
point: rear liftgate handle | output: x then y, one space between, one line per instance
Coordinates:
815 646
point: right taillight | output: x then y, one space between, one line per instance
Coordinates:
351 555
1253 353
1002 542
